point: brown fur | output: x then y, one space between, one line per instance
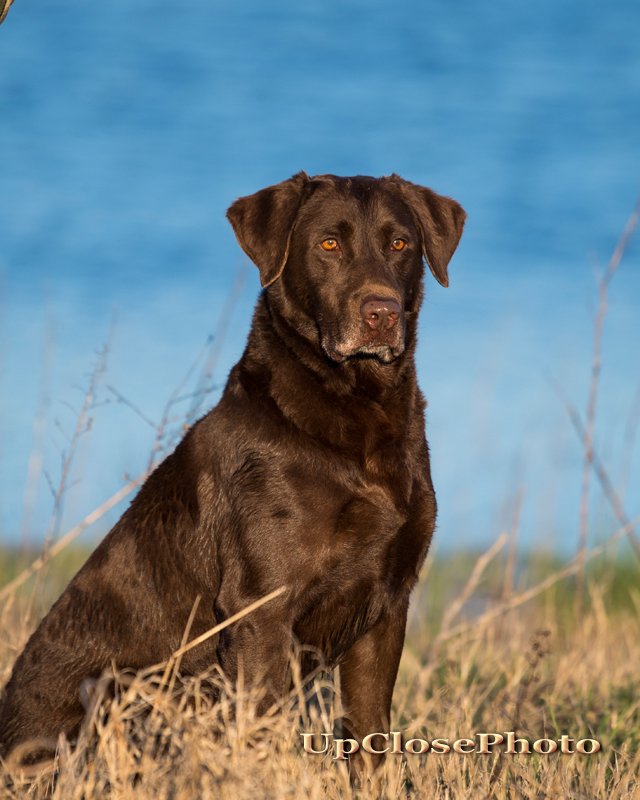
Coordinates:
311 472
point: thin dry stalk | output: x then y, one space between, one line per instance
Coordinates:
4 9
539 650
166 439
83 425
158 447
596 364
571 569
175 663
212 631
34 468
185 638
471 585
168 664
125 401
457 605
601 473
509 572
95 515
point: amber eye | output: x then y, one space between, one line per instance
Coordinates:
398 244
330 244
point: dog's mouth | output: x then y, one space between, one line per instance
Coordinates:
339 349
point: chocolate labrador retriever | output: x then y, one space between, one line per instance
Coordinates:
312 472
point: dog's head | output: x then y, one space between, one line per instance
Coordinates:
344 256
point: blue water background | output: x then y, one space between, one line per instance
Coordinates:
127 128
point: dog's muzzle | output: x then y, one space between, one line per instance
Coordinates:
379 333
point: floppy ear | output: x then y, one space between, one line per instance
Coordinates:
263 223
440 220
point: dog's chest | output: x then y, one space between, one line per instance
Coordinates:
348 576
349 502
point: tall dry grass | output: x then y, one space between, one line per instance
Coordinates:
159 735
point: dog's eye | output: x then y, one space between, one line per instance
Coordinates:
398 244
330 244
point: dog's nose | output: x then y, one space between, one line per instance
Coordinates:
380 314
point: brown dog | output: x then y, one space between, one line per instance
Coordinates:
312 472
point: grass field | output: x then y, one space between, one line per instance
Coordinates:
533 671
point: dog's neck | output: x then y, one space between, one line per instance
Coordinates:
355 407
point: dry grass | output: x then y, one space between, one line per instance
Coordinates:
159 735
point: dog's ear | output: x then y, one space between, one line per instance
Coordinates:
263 223
440 220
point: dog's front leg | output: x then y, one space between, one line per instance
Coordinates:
254 653
367 677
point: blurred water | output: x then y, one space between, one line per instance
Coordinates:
127 128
